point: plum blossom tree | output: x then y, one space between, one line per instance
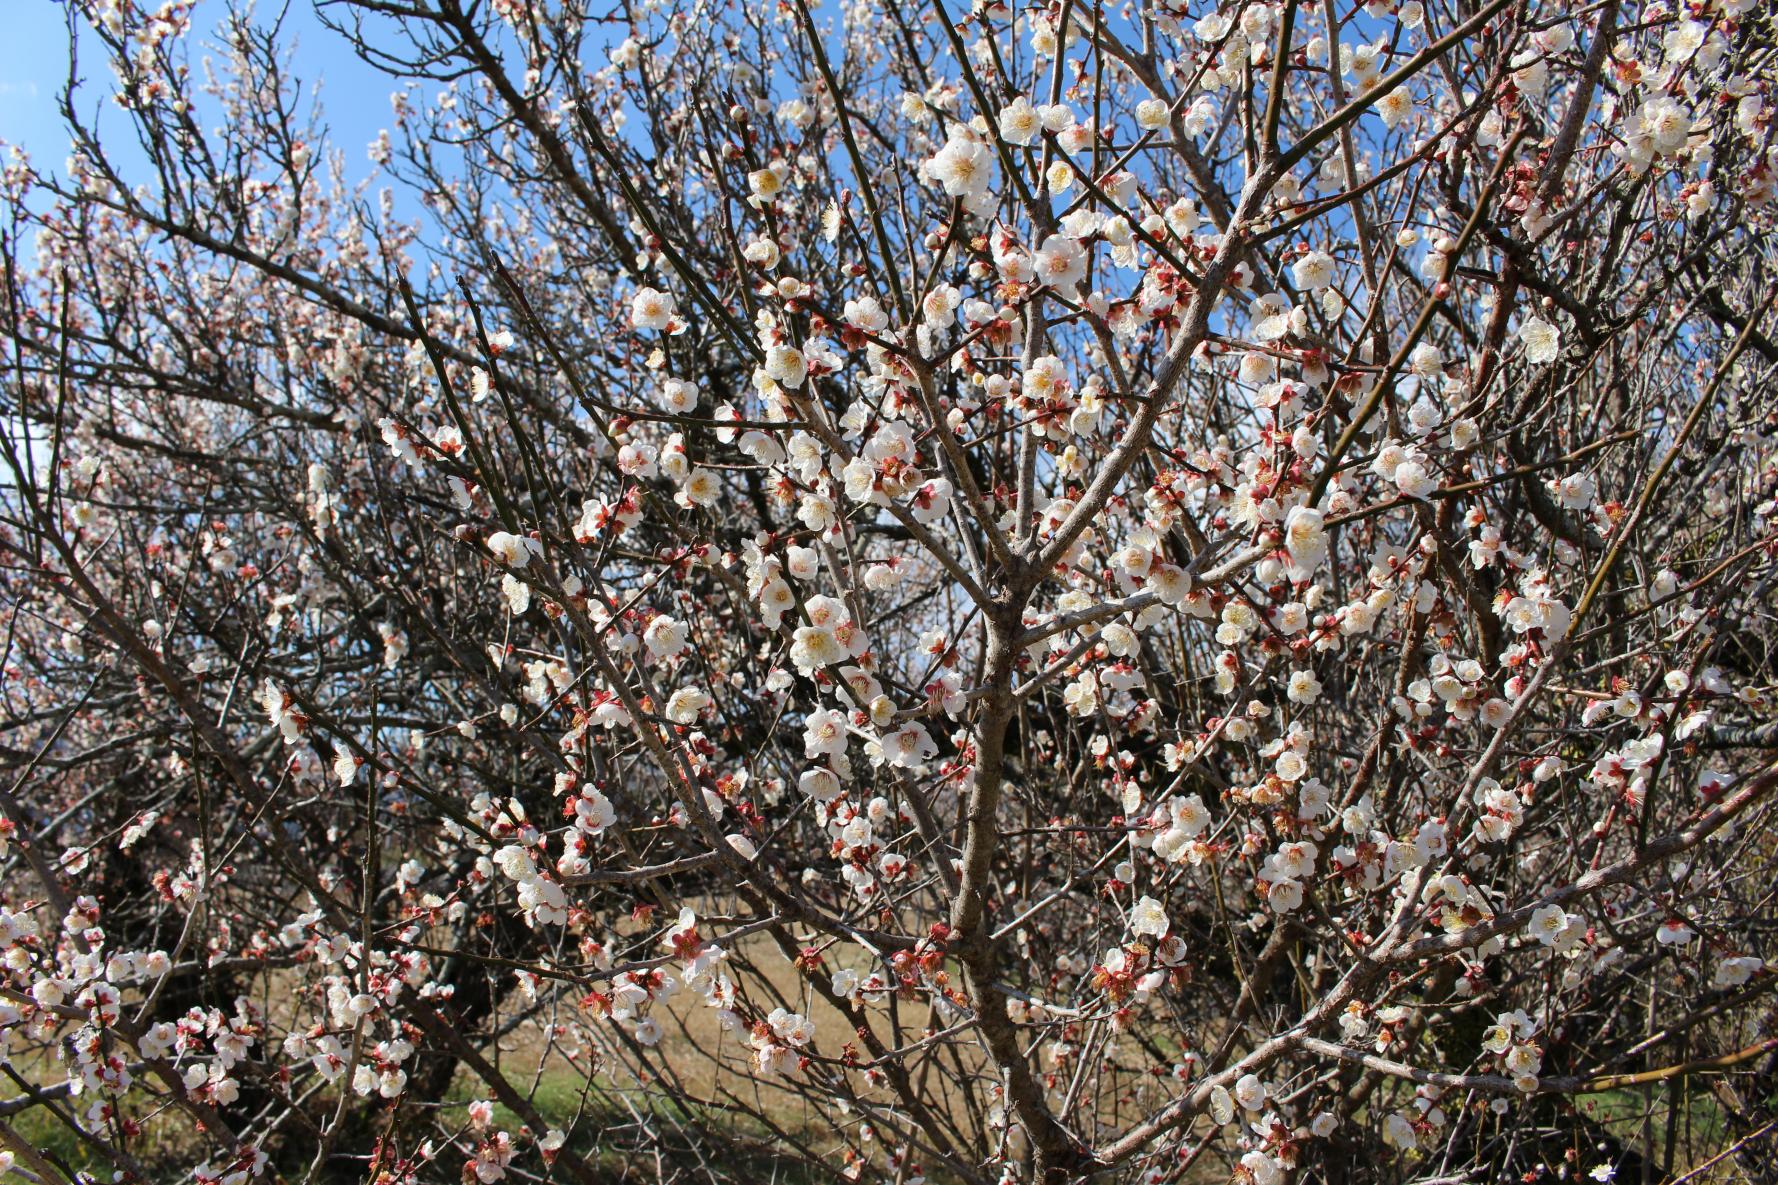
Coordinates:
1018 594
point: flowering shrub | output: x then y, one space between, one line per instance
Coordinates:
1004 595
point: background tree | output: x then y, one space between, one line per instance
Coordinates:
1047 592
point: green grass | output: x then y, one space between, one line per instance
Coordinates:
1627 1113
51 1137
565 1100
561 1098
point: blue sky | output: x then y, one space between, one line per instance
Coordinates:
31 58
34 67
